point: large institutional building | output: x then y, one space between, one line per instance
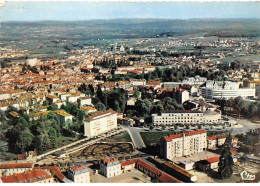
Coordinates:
226 90
183 144
209 116
100 122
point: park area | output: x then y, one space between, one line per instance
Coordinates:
153 138
124 137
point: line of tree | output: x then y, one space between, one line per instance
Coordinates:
172 74
247 109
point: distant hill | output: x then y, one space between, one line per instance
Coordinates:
131 28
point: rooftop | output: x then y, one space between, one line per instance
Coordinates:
171 137
15 165
27 177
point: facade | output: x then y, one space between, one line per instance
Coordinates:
64 116
182 95
197 80
186 117
34 176
14 168
183 144
100 122
187 165
110 167
212 142
84 101
226 90
79 174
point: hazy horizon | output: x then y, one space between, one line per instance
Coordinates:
85 11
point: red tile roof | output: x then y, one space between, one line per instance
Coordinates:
166 178
171 137
212 138
212 160
129 162
21 156
149 167
56 171
27 177
77 168
109 160
15 165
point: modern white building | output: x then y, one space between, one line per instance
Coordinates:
186 117
226 90
110 167
79 174
100 122
183 144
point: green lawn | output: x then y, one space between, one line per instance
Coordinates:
154 137
124 137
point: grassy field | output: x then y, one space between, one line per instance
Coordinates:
124 137
154 137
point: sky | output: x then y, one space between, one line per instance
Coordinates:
73 11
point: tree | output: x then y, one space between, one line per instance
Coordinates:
136 94
252 109
80 116
23 121
53 137
99 93
24 141
225 164
45 102
100 106
37 144
91 88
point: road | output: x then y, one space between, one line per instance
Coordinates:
135 136
246 126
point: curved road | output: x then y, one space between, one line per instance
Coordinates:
135 136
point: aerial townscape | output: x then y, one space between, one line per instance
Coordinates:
129 100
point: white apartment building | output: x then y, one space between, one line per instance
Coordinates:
183 144
84 101
226 90
197 80
79 174
186 117
100 122
182 95
14 168
110 167
137 82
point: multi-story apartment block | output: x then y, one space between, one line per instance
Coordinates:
186 117
34 176
110 167
226 90
100 122
183 144
79 174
